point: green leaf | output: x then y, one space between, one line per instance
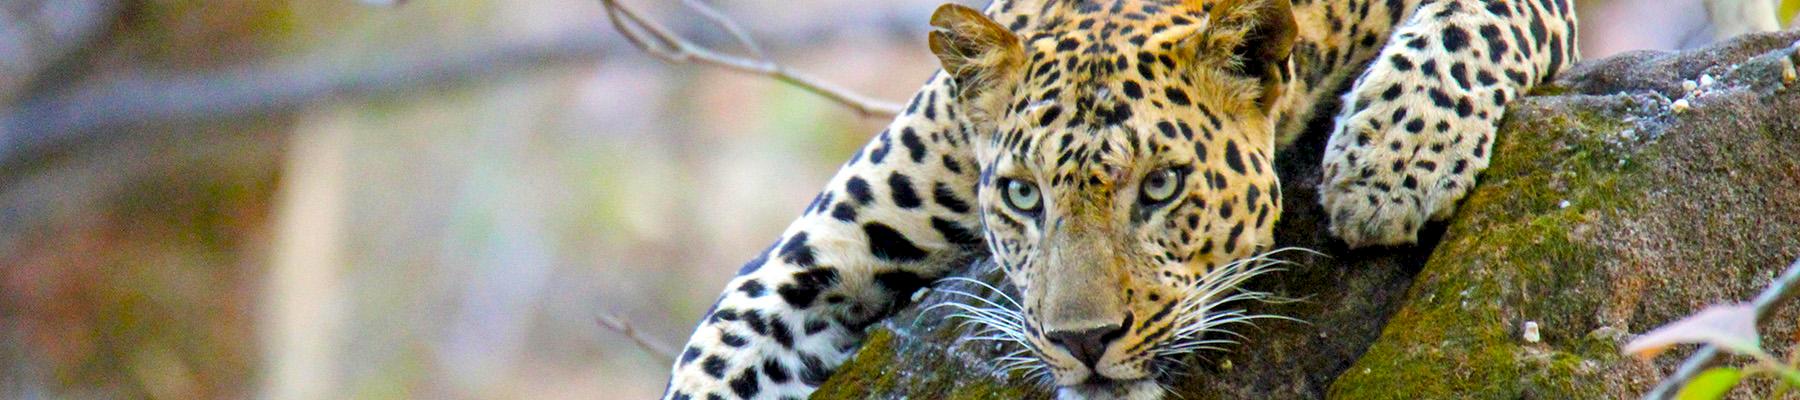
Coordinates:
1730 326
1790 8
1711 384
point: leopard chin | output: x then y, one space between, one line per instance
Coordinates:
1140 389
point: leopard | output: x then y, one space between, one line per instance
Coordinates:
1115 159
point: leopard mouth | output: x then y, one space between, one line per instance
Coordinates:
1097 387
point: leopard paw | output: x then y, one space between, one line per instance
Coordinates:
1391 168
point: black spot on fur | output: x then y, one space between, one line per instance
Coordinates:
930 108
1415 126
1176 96
725 315
1132 90
1232 158
951 164
796 251
1455 38
1441 99
1496 43
900 283
806 286
779 331
1486 79
1556 55
814 326
1401 63
813 372
733 340
859 190
752 288
844 212
1067 45
1461 74
879 154
944 196
1499 9
914 146
714 367
889 245
1108 116
1049 116
746 385
1231 239
688 356
900 187
955 233
777 373
754 319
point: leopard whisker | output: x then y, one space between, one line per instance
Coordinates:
1198 319
1002 293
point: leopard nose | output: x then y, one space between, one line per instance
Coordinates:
1086 344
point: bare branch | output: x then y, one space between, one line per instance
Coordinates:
1771 298
616 324
95 111
675 49
34 36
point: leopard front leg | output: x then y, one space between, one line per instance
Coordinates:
1419 123
896 217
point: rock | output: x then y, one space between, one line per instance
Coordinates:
1692 209
1603 213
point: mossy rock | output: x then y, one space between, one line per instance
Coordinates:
1605 212
1608 210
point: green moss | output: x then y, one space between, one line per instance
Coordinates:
982 390
1510 258
1560 375
1549 90
863 374
890 363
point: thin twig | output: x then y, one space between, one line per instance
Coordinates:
1771 298
675 49
737 32
616 324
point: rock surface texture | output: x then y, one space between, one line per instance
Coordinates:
1619 199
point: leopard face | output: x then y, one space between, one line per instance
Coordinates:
1126 173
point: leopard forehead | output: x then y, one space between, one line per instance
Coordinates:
1109 84
1112 90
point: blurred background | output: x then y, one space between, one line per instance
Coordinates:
428 199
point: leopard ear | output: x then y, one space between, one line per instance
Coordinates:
1263 53
983 58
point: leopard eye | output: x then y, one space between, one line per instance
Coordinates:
1021 196
1161 185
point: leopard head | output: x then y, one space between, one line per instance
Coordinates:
1126 178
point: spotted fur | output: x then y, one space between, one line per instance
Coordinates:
1146 130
